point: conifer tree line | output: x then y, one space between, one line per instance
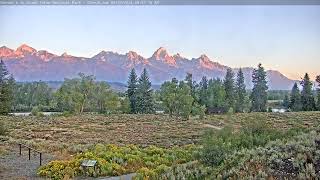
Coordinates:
306 99
187 97
140 93
181 98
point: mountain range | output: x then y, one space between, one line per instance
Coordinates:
29 64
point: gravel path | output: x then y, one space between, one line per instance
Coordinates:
14 166
212 126
123 177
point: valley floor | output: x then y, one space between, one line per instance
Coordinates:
60 137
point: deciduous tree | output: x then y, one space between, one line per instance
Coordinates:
74 93
216 94
176 98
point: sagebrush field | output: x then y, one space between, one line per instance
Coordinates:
54 132
63 137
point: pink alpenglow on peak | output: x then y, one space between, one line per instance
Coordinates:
133 55
161 54
177 56
24 50
6 52
67 57
135 58
28 64
45 55
205 62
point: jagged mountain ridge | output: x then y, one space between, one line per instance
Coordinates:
29 64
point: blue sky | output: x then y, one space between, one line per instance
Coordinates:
286 38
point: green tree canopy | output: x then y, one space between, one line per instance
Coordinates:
176 98
229 89
307 99
6 89
259 92
30 94
240 92
216 94
145 101
318 92
84 93
192 85
286 101
295 98
103 99
203 91
132 90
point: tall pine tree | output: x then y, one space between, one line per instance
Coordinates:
145 101
259 91
240 92
229 89
192 84
318 92
307 99
6 89
286 102
203 91
295 98
132 91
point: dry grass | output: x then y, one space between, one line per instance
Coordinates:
79 132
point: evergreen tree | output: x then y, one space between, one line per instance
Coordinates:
131 92
203 91
192 85
295 98
240 92
307 99
6 89
286 102
229 89
259 92
145 101
318 92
